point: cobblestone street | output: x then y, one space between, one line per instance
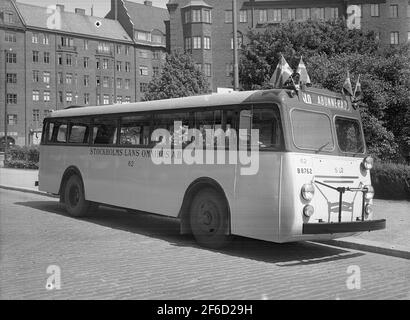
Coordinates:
116 255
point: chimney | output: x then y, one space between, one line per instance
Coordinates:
148 3
60 7
80 11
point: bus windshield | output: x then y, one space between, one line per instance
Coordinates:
312 131
349 135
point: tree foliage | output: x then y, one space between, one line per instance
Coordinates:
329 50
179 78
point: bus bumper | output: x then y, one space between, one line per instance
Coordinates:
343 227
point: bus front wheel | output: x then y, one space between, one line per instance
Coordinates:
74 196
209 219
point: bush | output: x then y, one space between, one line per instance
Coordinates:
391 181
23 158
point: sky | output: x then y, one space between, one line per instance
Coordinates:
101 7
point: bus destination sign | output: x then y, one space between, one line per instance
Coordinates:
325 101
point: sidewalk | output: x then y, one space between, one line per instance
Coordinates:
394 240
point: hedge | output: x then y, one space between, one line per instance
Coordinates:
391 181
23 158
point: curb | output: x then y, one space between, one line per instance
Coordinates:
371 246
27 190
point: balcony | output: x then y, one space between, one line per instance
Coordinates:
66 48
105 52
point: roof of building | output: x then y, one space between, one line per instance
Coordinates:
197 3
147 17
37 17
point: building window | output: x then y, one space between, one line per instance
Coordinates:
207 69
85 45
60 59
46 39
119 83
9 17
46 96
277 15
36 115
106 81
127 50
69 59
86 98
394 11
156 38
155 71
11 98
119 99
10 37
98 64
105 64
197 42
375 10
207 17
143 70
36 95
86 81
69 78
188 44
11 119
143 87
119 65
127 99
60 96
243 16
69 97
334 13
207 43
11 57
319 13
67 42
229 69
46 57
196 15
305 13
98 81
127 67
36 76
143 36
60 78
12 78
46 77
35 56
34 38
228 16
119 49
292 14
86 62
263 15
394 37
127 83
106 99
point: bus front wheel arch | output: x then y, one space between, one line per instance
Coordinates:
209 219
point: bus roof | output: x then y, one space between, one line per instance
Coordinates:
219 99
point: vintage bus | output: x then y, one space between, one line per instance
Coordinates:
312 180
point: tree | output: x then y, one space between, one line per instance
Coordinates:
179 78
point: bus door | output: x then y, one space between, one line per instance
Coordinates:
258 177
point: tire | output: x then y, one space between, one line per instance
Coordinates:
209 219
75 203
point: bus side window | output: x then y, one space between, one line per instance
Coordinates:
245 127
206 121
61 136
135 130
79 132
48 137
105 132
167 121
266 120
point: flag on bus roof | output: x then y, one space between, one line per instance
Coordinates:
347 86
303 74
358 93
282 73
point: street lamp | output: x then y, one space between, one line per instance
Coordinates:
6 141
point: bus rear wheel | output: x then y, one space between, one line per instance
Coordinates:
75 203
209 219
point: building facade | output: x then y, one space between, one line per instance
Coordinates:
204 27
52 59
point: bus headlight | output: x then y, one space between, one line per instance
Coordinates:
368 209
368 163
308 191
308 211
369 194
